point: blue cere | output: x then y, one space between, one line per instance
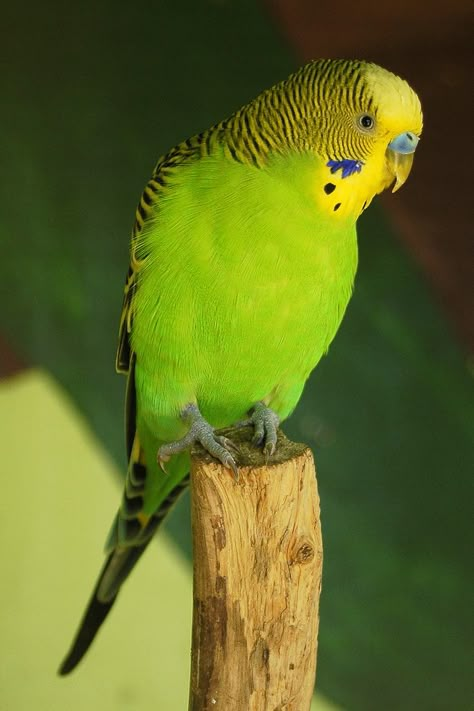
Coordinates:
405 143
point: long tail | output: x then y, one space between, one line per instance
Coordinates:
115 570
97 609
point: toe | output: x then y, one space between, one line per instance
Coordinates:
227 444
266 424
259 431
224 456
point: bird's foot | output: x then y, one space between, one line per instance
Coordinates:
200 431
265 423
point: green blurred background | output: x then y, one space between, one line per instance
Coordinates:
92 95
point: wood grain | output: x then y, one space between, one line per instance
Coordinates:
257 579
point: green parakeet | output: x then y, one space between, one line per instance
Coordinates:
243 257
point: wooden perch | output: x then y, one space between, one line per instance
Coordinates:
257 579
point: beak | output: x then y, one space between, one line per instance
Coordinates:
399 156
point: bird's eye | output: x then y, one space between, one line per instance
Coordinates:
366 122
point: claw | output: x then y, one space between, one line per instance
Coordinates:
230 463
161 459
162 466
269 448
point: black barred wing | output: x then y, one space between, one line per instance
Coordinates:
161 181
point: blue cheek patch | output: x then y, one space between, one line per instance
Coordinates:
347 166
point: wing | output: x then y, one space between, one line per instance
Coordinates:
145 208
160 182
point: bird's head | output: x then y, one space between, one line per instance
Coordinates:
364 120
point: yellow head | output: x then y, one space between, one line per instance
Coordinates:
362 120
364 114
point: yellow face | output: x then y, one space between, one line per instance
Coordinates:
375 135
395 126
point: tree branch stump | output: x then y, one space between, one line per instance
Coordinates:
257 579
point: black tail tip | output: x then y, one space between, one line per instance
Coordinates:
68 665
95 614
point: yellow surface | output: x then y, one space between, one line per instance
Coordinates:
59 495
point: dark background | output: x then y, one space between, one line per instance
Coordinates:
92 95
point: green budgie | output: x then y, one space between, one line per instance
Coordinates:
243 258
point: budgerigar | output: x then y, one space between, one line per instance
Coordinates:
243 257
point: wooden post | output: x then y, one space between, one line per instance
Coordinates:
257 579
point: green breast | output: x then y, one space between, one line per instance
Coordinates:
246 283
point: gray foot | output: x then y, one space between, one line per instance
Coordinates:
200 431
265 422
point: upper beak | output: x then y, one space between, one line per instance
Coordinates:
399 157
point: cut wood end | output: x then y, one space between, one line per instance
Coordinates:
248 454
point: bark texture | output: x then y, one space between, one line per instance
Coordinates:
257 580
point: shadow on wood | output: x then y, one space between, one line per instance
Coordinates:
257 579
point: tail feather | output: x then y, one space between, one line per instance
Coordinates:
95 614
115 570
98 607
